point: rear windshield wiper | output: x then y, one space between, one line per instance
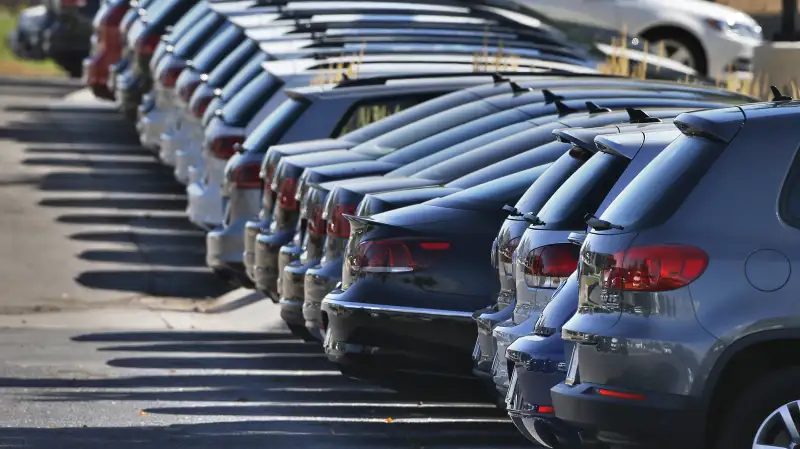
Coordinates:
533 219
512 211
600 225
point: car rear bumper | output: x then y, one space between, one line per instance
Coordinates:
267 250
151 129
486 346
363 336
204 204
189 162
655 422
317 283
251 230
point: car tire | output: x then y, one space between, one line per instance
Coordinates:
684 39
752 408
301 332
72 63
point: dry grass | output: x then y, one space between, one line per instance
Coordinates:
14 66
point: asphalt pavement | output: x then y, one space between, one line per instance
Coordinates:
113 334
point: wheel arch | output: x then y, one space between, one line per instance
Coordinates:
685 29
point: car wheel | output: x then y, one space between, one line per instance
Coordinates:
680 46
71 63
767 414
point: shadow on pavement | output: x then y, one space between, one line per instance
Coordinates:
290 396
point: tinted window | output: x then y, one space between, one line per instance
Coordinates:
368 112
653 196
217 48
413 114
160 10
245 103
494 194
406 135
540 191
243 76
196 37
583 192
190 18
226 69
275 125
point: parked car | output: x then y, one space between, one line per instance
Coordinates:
712 38
711 362
67 39
106 47
25 40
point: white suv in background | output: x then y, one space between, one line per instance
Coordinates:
709 37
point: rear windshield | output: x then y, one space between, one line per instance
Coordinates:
196 37
190 18
368 112
241 108
583 192
418 112
225 69
164 11
540 191
392 141
243 76
494 194
659 190
270 131
217 48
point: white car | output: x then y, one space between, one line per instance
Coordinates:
711 38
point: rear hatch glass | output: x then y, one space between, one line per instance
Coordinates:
583 191
194 39
189 19
225 69
243 105
659 190
220 46
270 131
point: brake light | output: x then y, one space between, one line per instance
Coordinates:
338 226
188 89
545 409
169 76
199 106
390 256
146 45
222 147
655 268
505 255
316 225
549 266
246 176
286 191
620 394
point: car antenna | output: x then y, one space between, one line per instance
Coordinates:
639 116
600 225
512 211
778 96
595 109
517 89
550 97
498 79
563 109
532 219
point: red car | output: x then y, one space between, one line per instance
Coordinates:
107 45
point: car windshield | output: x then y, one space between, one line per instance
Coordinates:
583 192
195 37
205 59
225 69
245 103
275 125
661 187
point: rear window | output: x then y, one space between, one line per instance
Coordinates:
183 25
418 112
368 112
398 138
494 194
217 48
583 192
661 187
243 76
270 131
540 191
226 68
245 103
194 39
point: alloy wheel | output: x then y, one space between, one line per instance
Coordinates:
781 430
677 51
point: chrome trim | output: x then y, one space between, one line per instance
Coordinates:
397 309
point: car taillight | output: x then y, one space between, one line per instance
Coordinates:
246 176
73 3
390 256
286 190
316 224
113 16
188 89
223 147
505 256
200 105
146 45
338 226
170 75
655 268
549 266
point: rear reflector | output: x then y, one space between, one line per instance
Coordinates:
620 394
